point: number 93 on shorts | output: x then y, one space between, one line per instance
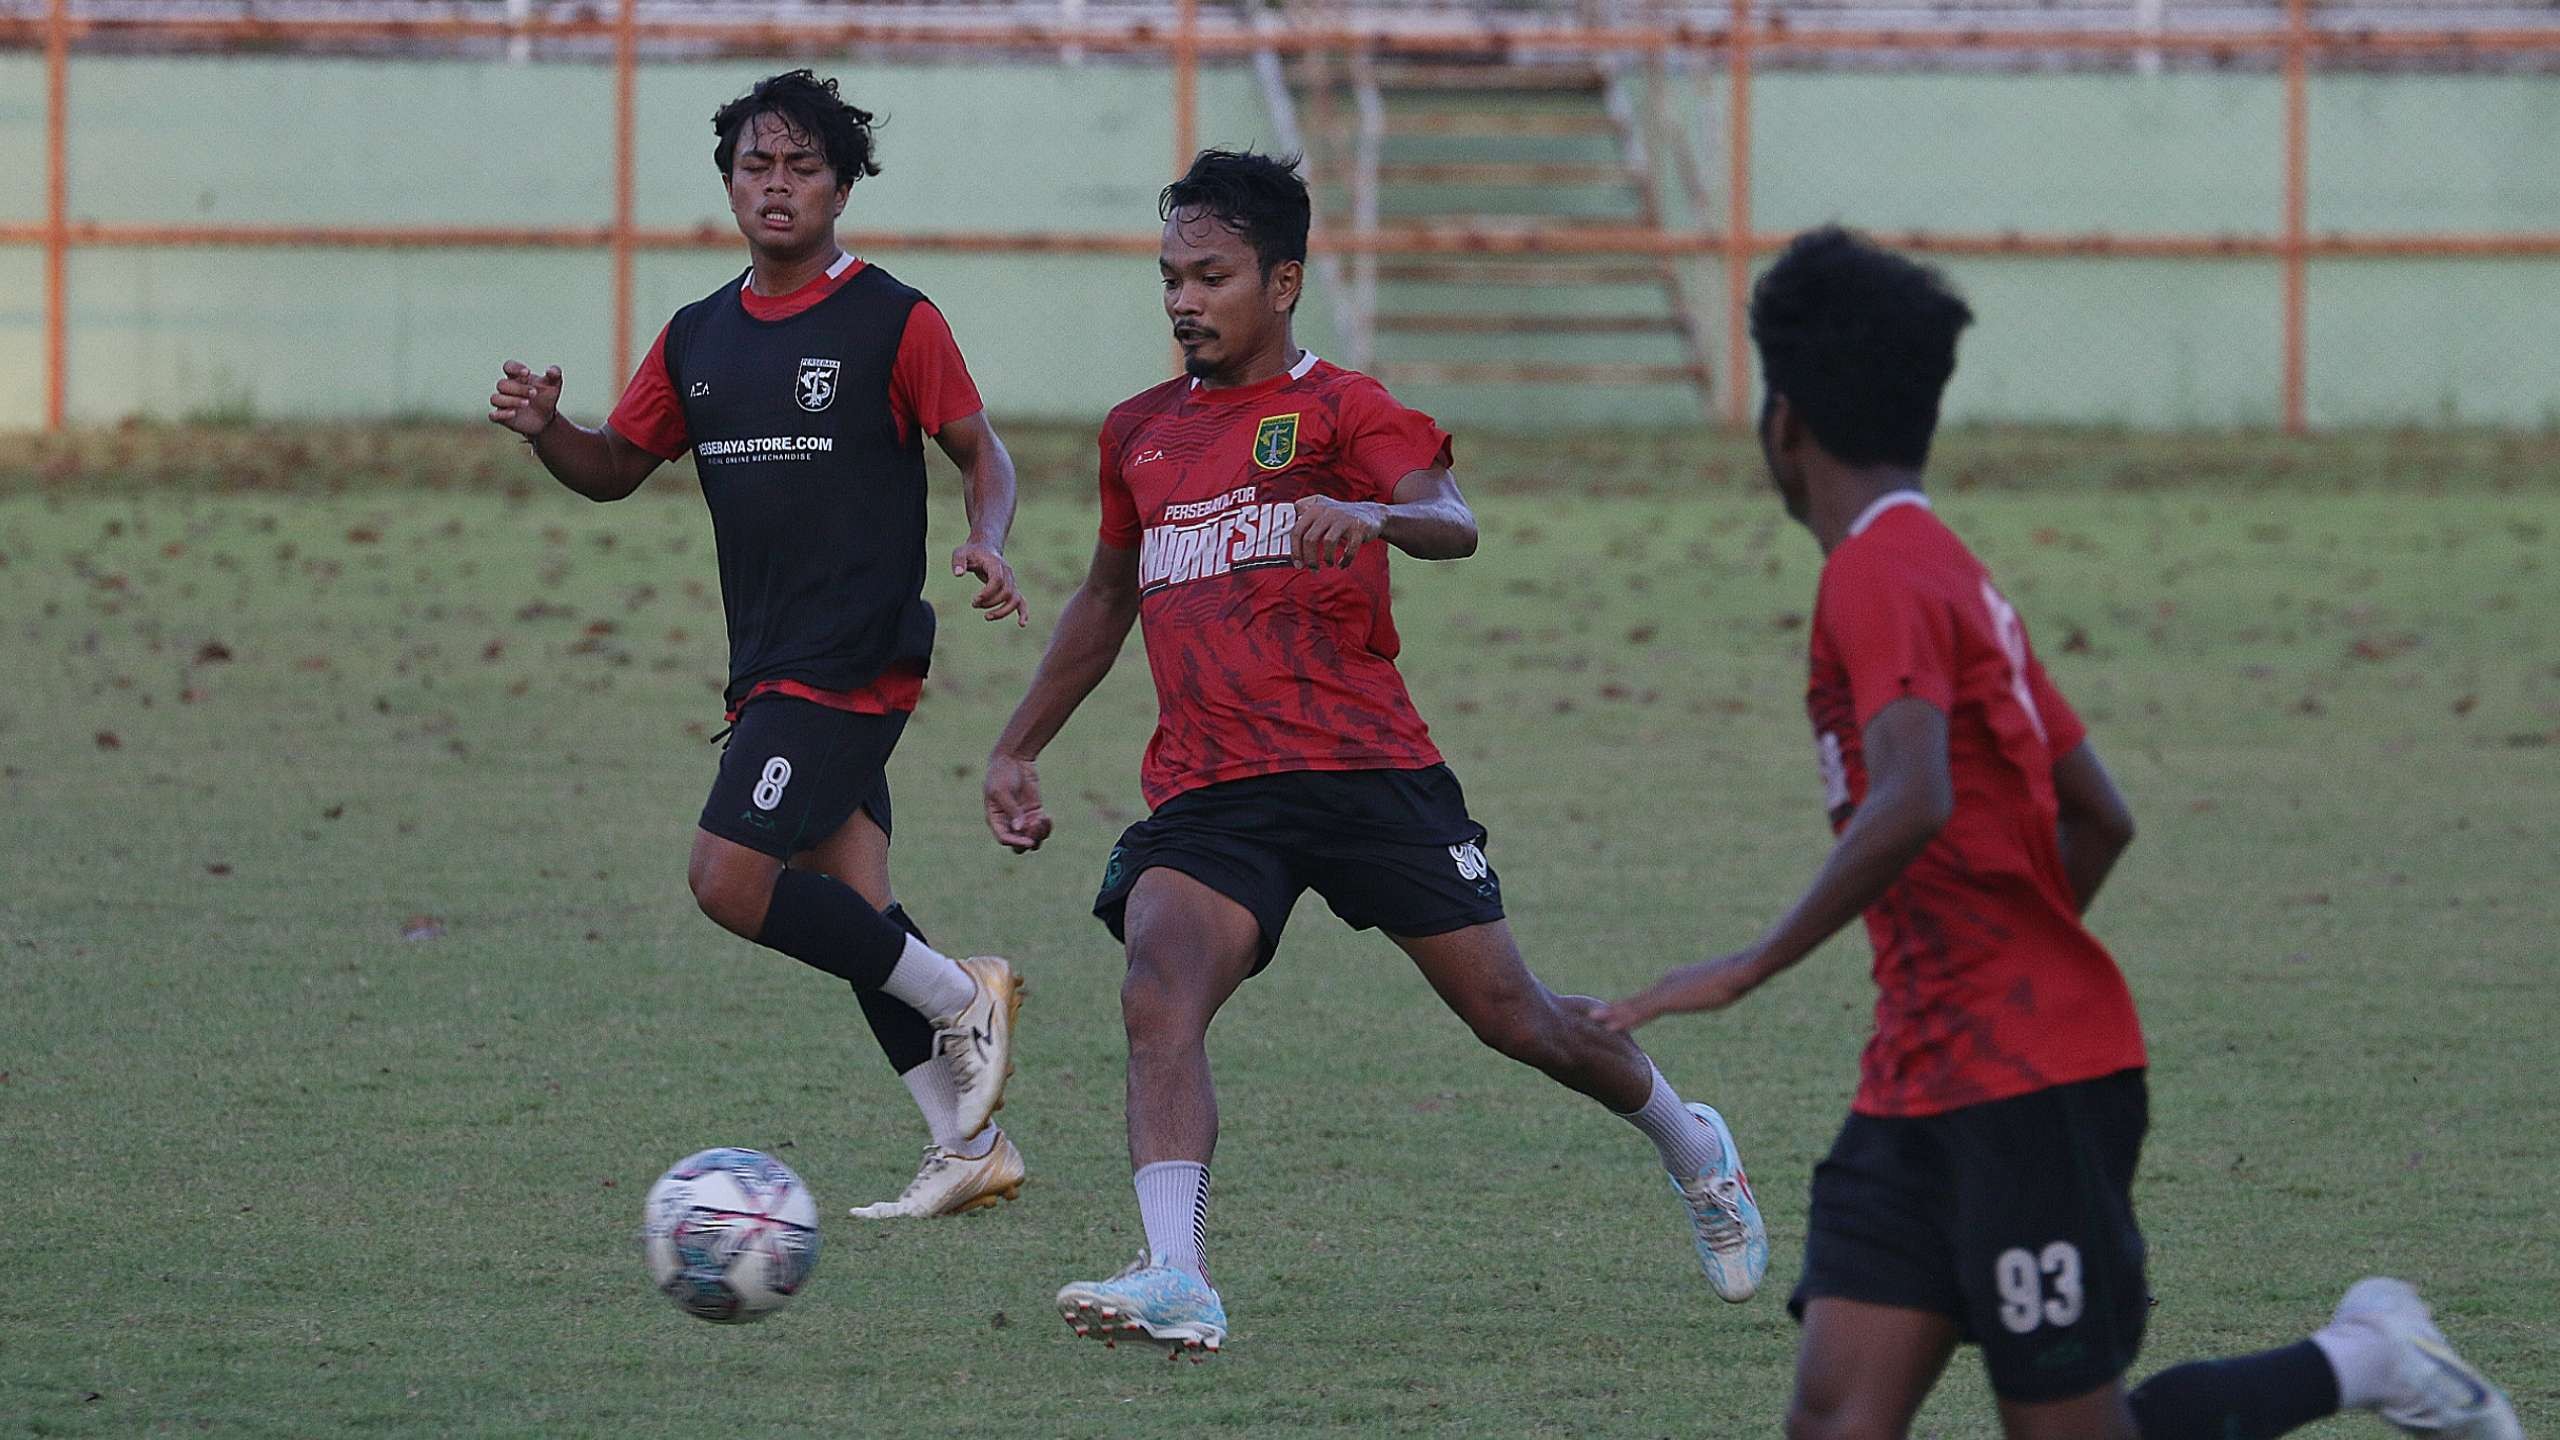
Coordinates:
2014 1218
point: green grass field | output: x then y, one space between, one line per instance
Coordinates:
276 698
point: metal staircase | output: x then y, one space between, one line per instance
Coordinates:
1496 150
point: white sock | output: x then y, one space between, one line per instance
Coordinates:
2366 1363
938 1098
1173 1203
930 981
1686 1145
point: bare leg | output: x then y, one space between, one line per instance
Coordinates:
1862 1370
731 883
858 855
1478 973
1189 948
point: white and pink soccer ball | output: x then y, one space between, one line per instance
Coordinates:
730 1235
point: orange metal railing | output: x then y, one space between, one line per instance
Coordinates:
1189 44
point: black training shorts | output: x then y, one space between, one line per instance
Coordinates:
795 771
2014 1218
1387 849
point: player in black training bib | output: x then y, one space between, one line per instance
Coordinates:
805 388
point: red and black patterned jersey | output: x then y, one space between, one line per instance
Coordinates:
1988 984
1259 666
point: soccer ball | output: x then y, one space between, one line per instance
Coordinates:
730 1235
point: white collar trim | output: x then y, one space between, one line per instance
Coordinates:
1889 501
1306 362
845 260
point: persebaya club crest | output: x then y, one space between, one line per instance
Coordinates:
815 386
1275 441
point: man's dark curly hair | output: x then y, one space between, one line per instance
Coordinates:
1259 197
1861 341
811 107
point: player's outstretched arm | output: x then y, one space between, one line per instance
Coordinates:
986 490
2096 825
1910 794
598 463
1426 518
1090 632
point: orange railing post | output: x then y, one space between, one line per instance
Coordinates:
57 212
2297 187
1737 220
1186 84
626 68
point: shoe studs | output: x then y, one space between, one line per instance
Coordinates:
1109 1325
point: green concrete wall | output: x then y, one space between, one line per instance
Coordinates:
984 147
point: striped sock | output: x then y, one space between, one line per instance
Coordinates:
1173 1203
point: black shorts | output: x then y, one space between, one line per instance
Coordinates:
2014 1218
795 771
1387 849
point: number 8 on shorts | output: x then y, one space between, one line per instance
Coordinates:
777 773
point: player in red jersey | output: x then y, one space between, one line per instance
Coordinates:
1982 1189
805 388
1242 508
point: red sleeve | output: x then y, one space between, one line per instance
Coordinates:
1894 638
649 415
1119 507
2063 731
930 383
1383 441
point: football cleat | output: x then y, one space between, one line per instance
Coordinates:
948 1184
1151 1302
979 1041
1733 1245
2435 1392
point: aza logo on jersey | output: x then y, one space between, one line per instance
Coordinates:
815 387
1275 441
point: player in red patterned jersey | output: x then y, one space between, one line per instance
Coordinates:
1982 1189
805 388
1242 504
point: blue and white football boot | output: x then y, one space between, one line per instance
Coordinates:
2436 1392
1733 1245
1149 1301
